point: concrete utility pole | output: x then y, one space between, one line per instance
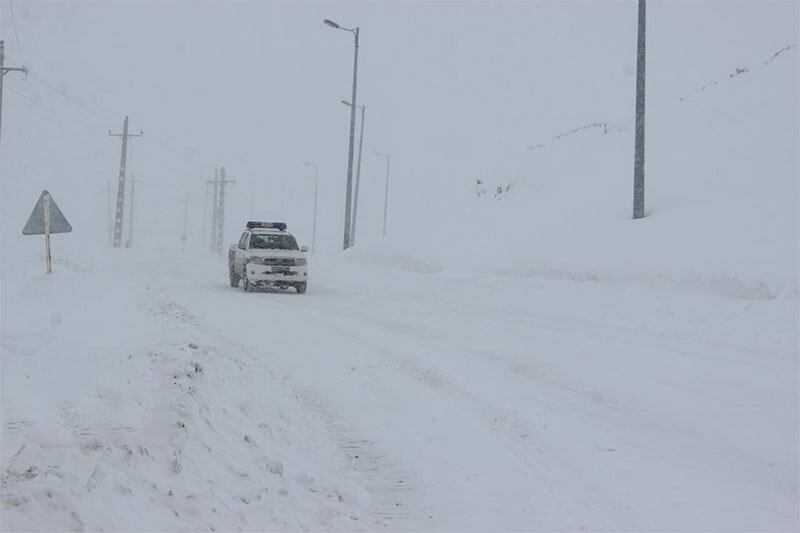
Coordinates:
316 189
349 193
3 70
638 156
205 213
110 218
130 215
218 220
386 196
221 211
214 203
358 174
121 185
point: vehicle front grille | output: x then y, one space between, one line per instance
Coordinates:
278 261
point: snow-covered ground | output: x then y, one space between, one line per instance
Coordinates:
536 361
393 395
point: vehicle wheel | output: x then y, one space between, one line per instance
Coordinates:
246 284
301 287
234 278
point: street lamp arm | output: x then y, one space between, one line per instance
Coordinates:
348 104
334 25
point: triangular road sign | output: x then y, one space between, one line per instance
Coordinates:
58 222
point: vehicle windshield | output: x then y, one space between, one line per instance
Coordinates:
273 242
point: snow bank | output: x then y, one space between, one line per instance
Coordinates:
124 411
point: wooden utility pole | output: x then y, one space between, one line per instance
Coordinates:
3 70
121 185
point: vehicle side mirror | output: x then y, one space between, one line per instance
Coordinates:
304 248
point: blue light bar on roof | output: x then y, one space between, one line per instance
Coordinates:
274 225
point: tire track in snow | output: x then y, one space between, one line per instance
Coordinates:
518 432
513 426
392 486
567 326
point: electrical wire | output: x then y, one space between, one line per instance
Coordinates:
16 33
150 138
47 108
84 105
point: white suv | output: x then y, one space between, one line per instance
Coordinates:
268 255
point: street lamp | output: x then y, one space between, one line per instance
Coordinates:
358 174
386 197
638 150
314 230
347 207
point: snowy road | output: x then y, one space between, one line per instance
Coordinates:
469 402
496 408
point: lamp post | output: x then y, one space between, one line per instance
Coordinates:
638 152
347 207
358 173
314 228
386 197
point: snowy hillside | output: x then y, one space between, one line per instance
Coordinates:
722 196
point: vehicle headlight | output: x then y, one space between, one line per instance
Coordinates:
301 261
257 260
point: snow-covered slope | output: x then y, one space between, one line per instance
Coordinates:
722 195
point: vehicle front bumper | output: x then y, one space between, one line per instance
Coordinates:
271 274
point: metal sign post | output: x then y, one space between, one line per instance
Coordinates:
46 199
45 219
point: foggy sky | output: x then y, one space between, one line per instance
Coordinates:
453 91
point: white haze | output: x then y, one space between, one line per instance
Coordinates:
537 361
453 92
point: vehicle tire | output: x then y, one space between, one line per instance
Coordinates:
301 287
234 277
246 284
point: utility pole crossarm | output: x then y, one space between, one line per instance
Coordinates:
129 135
5 70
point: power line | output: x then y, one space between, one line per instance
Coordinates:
14 19
86 106
161 143
101 114
49 109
